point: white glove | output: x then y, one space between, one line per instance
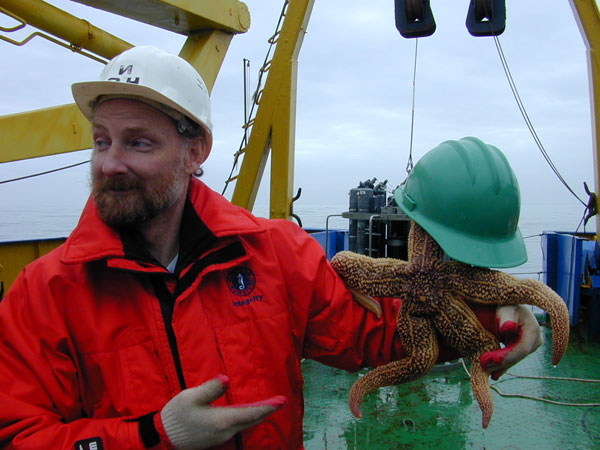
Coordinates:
191 423
521 335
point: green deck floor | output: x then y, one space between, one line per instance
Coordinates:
440 412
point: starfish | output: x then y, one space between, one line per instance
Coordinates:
433 293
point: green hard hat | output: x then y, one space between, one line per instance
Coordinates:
466 196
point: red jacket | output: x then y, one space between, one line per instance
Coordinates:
96 335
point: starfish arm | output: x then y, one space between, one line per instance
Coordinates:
421 346
381 277
539 294
422 248
463 331
495 287
456 322
481 388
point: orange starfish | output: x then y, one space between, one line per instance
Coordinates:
432 291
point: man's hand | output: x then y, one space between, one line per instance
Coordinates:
191 423
521 335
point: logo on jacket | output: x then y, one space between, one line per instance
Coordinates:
89 444
241 281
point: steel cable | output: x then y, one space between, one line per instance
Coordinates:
44 173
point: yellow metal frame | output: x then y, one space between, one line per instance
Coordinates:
14 256
181 16
588 18
273 129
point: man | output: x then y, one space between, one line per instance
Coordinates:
171 318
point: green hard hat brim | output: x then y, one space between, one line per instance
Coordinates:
477 250
468 248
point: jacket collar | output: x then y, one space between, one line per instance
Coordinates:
208 217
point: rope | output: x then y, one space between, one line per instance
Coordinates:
532 236
409 164
44 173
246 63
527 273
525 116
539 399
583 380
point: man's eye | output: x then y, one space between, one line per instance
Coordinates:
140 144
100 144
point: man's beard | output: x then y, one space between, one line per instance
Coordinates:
143 201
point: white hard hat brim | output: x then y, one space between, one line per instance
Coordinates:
86 94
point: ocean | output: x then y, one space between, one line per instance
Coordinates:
21 223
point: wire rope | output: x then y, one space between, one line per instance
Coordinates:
528 123
540 399
534 377
409 164
44 173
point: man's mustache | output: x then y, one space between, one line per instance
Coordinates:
116 184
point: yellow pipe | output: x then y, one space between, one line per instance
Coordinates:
63 25
588 18
43 132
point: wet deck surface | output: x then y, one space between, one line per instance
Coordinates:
439 410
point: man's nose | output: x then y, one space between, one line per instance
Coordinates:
113 162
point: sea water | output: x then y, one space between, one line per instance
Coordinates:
48 221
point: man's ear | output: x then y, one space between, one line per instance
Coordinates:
197 152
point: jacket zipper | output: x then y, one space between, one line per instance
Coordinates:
167 305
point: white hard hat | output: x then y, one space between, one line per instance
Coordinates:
149 73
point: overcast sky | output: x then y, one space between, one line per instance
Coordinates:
354 96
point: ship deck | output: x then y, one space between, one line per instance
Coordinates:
439 410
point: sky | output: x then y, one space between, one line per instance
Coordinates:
354 97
